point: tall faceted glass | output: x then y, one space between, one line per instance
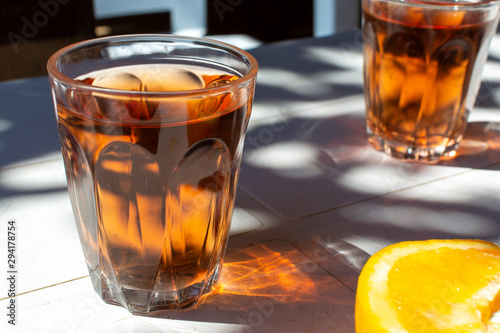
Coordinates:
151 130
423 61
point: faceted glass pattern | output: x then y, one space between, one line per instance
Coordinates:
152 178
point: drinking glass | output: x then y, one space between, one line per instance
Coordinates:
422 68
151 130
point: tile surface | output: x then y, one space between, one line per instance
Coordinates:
314 202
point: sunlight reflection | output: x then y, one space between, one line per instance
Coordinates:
425 219
34 177
282 276
495 95
495 46
470 146
294 159
51 156
348 58
301 85
5 125
394 177
483 130
353 78
481 114
275 77
351 106
266 273
491 72
268 115
124 51
493 135
360 178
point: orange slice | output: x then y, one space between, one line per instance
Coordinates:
430 286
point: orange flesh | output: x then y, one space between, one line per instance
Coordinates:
436 290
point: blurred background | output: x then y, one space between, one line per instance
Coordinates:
34 29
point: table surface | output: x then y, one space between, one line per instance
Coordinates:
314 202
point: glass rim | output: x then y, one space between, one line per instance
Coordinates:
242 81
444 3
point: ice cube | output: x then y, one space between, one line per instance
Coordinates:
171 79
407 15
119 81
404 45
447 17
454 59
454 53
123 108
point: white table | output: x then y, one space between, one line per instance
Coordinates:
314 202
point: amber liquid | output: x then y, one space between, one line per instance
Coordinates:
419 66
156 174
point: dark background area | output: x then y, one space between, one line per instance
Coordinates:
32 30
265 20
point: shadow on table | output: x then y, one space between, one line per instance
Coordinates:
312 165
308 165
480 147
311 158
28 130
271 285
316 169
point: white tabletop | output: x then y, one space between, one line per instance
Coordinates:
314 202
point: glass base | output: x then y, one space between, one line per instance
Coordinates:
147 302
418 154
